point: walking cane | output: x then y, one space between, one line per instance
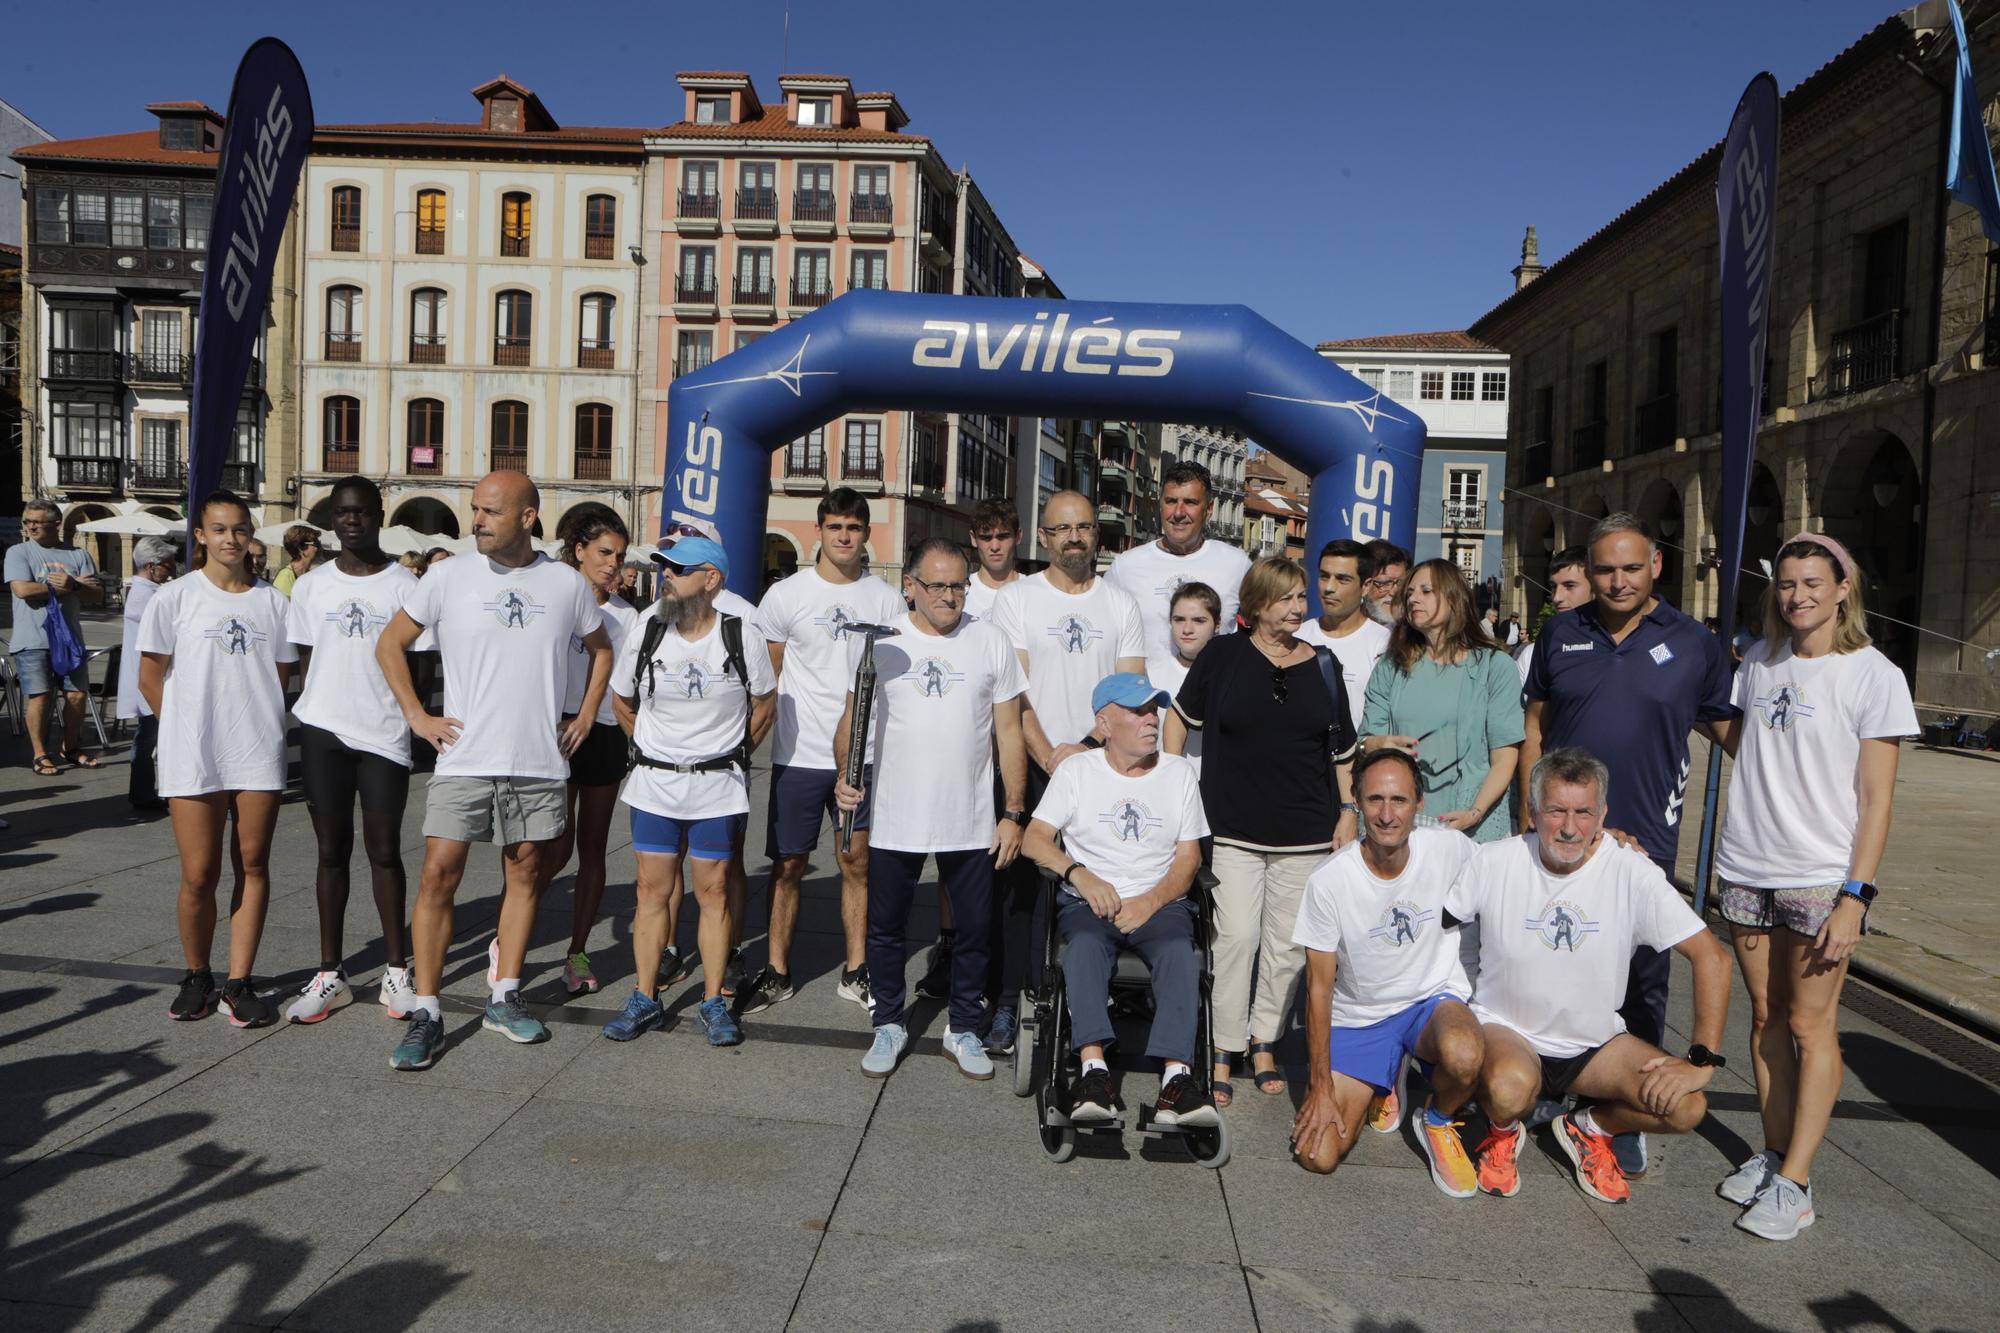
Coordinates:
864 705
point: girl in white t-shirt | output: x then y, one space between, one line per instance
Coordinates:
1193 618
593 540
1808 817
216 661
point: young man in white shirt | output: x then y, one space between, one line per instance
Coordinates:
1151 573
996 535
1560 911
153 561
1569 588
353 744
1355 641
1070 629
1378 593
804 621
948 694
1131 824
1385 979
503 617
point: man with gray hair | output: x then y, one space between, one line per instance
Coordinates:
153 561
49 577
1560 910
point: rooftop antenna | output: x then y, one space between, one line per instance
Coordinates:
785 54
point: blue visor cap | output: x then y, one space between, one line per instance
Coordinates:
691 551
1131 689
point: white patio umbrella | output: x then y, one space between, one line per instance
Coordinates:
398 539
140 524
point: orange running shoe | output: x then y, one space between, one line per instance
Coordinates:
1499 1174
1597 1172
1385 1113
1451 1169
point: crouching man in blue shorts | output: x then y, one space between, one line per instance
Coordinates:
1385 979
697 703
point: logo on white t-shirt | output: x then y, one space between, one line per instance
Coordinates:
1076 633
234 636
1562 926
934 677
690 678
1783 706
1131 820
1401 923
836 620
354 618
514 608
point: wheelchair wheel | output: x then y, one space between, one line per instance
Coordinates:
1024 1057
1209 1147
1058 1143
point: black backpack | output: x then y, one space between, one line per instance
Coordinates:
733 660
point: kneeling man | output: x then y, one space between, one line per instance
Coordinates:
1385 978
1131 823
1560 911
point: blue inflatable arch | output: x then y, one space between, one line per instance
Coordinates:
886 351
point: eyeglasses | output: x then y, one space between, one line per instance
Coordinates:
1279 692
1383 584
940 589
682 530
1069 529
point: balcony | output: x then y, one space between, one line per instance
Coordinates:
514 247
600 247
240 478
871 215
344 347
426 459
596 354
756 212
347 239
510 349
698 211
164 470
1465 513
805 467
1586 447
753 300
430 242
427 349
507 458
161 368
813 212
1537 462
1657 423
96 474
92 364
861 465
694 295
343 459
1868 354
689 363
593 466
810 296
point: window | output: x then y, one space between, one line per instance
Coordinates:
868 269
753 275
1493 386
600 227
1462 507
871 196
757 192
52 216
128 221
712 109
812 283
513 321
84 430
159 461
343 323
427 325
693 349
1462 385
698 196
696 279
425 435
510 435
1371 376
815 111
593 442
744 337
181 134
347 217
861 459
517 213
91 226
1431 386
806 456
812 201
595 349
198 207
160 343
83 342
163 221
430 222
341 434
1467 560
1403 385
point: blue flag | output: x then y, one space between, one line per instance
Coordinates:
1968 172
268 129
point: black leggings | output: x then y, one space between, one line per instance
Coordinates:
334 777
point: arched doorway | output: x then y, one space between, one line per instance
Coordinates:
781 557
1871 501
106 548
1660 507
1574 527
426 515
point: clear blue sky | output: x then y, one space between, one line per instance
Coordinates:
1346 169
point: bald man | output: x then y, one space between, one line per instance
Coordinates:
503 619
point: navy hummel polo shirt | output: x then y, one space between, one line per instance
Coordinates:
1632 704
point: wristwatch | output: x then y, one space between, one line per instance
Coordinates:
1016 816
1862 889
1702 1058
1350 807
1074 866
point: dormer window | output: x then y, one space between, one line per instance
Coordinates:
180 134
712 109
815 111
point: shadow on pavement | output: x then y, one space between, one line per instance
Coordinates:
61 902
1710 1308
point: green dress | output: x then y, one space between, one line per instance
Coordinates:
1460 714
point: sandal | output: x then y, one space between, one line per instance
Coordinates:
1272 1081
45 766
82 760
1219 1089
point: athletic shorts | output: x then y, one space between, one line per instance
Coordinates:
798 797
334 775
713 839
1373 1054
1801 911
497 810
600 760
32 666
1560 1071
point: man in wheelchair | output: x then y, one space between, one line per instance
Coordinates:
1130 823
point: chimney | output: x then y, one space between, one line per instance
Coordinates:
1530 266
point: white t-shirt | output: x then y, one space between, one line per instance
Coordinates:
979 598
1555 950
809 616
736 604
619 618
1125 830
339 618
1393 950
933 741
1357 652
222 711
139 593
1793 799
1525 657
1073 640
1151 574
690 708
1168 673
503 635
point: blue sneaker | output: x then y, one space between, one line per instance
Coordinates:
419 1046
513 1022
721 1024
641 1014
1000 1036
891 1039
972 1059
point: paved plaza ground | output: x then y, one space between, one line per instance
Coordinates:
155 1174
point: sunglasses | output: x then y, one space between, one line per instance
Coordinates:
1279 691
682 530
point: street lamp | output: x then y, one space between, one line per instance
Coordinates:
638 257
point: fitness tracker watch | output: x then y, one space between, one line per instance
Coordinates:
1862 889
1015 816
1074 866
1702 1058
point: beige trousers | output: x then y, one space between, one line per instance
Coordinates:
1256 903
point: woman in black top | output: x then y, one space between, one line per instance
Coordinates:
1276 739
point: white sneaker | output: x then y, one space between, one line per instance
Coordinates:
326 992
397 992
1746 1182
1781 1212
890 1041
969 1053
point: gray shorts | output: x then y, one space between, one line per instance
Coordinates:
498 810
1801 911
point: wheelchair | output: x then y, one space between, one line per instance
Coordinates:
1045 1065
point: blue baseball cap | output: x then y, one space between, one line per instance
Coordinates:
1129 688
691 551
